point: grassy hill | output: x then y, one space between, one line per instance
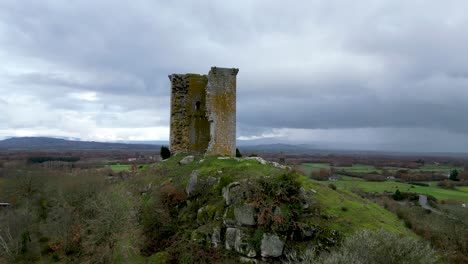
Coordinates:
343 210
179 212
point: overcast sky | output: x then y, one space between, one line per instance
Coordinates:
368 74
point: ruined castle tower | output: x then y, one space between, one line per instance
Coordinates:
203 112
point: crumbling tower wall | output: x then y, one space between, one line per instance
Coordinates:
203 112
189 122
221 104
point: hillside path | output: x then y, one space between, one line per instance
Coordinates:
425 205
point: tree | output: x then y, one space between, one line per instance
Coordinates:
238 154
165 152
397 195
453 175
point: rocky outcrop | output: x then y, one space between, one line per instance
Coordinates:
237 240
192 184
272 163
272 246
216 237
254 217
187 160
242 245
231 193
230 240
245 215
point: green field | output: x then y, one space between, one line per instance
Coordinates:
349 183
438 168
119 167
458 194
360 168
308 167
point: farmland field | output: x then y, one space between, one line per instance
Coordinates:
359 168
458 194
349 183
439 168
118 168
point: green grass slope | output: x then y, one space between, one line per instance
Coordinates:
343 210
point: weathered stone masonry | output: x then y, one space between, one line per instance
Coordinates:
203 112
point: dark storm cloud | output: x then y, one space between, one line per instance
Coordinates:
314 65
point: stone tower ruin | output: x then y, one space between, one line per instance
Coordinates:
203 112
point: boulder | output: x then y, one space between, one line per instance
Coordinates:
216 237
231 193
272 246
243 246
230 241
277 211
247 260
245 215
192 183
304 198
280 166
260 160
187 160
237 240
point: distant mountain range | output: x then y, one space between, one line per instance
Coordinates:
246 147
47 143
60 144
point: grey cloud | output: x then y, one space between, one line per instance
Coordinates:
311 65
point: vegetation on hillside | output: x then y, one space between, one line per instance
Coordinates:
155 216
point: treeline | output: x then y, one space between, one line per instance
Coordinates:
42 159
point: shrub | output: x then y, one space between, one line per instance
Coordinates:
165 152
397 196
446 232
22 186
419 184
15 226
238 153
446 184
370 247
453 175
374 177
380 247
332 186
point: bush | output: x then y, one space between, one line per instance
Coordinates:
419 184
453 175
165 152
446 184
370 247
332 186
446 232
238 154
374 177
380 247
397 196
